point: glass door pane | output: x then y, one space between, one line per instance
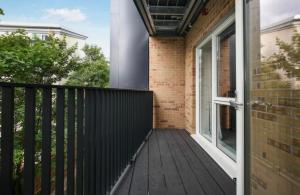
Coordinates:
226 63
205 90
226 129
226 87
273 96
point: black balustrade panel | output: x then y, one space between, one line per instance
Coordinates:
69 140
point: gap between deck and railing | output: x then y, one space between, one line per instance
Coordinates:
129 166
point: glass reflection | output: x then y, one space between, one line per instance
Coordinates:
226 63
205 90
274 60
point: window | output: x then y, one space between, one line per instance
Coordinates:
205 90
226 63
220 96
45 37
226 88
226 129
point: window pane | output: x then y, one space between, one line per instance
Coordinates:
205 90
226 63
226 129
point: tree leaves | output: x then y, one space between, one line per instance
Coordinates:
93 70
1 11
288 56
33 60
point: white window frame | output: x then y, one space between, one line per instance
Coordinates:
235 169
199 55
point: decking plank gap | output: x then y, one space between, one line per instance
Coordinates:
184 169
139 183
206 181
173 181
172 163
124 186
157 184
215 170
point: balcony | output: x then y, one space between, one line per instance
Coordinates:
73 140
171 162
97 141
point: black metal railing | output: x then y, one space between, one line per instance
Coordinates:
75 140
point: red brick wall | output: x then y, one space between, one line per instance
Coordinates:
167 81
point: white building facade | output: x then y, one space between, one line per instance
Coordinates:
43 30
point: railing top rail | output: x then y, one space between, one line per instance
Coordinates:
28 85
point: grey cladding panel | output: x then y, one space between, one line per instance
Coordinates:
129 47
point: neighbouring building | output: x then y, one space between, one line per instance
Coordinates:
43 30
283 30
210 70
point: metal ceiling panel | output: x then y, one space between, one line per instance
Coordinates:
169 17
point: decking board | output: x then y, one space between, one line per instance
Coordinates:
203 176
184 169
215 170
157 183
171 162
139 182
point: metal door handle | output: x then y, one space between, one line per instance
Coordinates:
235 104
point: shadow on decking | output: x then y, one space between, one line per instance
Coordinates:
171 162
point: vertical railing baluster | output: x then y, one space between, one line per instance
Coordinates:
79 160
104 117
29 140
132 124
87 129
117 133
109 126
151 109
135 133
107 136
70 141
92 142
60 128
7 119
46 140
110 138
113 136
118 130
98 141
120 134
126 127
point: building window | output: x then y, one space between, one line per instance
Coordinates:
218 101
45 37
226 62
205 90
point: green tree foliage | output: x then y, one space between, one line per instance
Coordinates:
1 11
33 60
25 59
288 57
93 70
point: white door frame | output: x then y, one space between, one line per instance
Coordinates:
235 169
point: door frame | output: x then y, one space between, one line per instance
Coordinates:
235 169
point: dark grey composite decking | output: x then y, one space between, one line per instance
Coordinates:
172 163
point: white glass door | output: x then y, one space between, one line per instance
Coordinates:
220 89
224 90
